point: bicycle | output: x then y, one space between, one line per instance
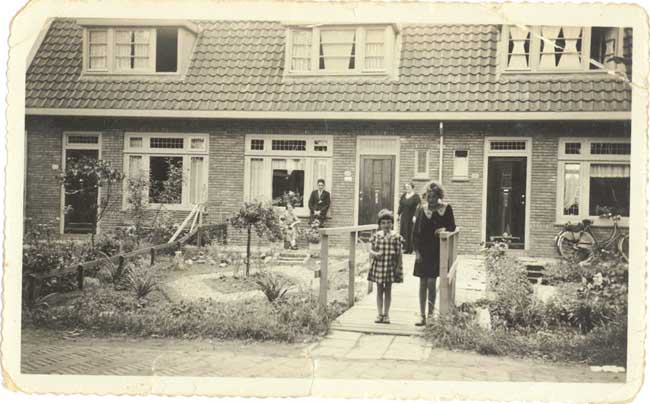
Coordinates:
576 242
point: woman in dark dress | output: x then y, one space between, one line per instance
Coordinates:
408 203
431 218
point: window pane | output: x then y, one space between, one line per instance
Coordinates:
288 180
507 145
609 189
166 142
301 50
257 144
257 183
197 189
132 49
166 49
320 145
571 205
287 145
320 170
460 163
337 50
135 142
374 49
610 148
166 179
197 143
83 139
572 148
97 43
421 164
518 48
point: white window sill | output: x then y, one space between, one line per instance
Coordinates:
597 221
136 75
460 179
422 177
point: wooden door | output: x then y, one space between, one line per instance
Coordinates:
506 199
376 187
81 207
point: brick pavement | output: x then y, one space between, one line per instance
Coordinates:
339 355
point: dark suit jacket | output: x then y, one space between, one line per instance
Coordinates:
322 204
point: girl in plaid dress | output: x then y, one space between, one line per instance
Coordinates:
385 263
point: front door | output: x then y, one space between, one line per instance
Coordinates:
376 187
80 208
506 199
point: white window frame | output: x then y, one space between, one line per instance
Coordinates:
455 176
186 153
111 54
423 175
77 146
390 40
309 155
585 159
534 54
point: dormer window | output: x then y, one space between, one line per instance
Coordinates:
560 48
340 50
134 50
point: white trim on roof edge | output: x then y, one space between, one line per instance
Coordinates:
313 115
137 22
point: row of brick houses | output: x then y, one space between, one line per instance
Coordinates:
526 127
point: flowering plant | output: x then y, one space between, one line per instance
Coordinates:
312 234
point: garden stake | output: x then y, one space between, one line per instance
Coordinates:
80 277
153 255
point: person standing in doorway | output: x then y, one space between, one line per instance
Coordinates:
385 249
408 203
431 218
319 203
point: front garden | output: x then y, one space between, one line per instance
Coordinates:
576 313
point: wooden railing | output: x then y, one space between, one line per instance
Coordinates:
121 259
352 231
448 269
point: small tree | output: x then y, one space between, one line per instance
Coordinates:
86 176
260 216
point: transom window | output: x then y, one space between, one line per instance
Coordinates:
560 48
507 145
131 50
340 50
594 178
285 169
174 167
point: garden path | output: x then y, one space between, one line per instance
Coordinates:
404 312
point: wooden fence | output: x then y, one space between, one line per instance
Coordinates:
352 231
448 269
201 231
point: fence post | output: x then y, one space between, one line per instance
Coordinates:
225 233
31 289
444 281
80 277
352 267
324 253
199 231
153 255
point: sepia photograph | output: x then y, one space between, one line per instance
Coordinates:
361 193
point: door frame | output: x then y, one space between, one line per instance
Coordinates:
364 150
64 148
527 153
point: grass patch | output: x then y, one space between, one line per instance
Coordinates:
295 318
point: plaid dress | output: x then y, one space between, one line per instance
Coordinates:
384 268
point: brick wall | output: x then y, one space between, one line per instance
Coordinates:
226 161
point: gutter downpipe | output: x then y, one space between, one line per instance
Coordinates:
441 132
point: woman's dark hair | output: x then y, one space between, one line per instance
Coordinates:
434 192
411 184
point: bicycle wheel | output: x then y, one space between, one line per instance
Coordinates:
624 247
575 247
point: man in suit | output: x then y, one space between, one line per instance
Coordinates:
319 203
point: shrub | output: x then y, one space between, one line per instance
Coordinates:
141 280
273 285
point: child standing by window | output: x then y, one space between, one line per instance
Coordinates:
289 221
385 263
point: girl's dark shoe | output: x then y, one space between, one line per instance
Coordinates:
379 319
422 322
386 319
294 247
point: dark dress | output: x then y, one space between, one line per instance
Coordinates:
426 242
406 211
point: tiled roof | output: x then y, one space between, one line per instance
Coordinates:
238 66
